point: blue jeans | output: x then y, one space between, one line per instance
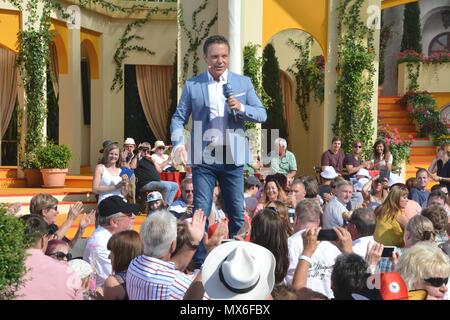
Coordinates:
168 189
231 182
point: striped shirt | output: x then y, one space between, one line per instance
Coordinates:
154 279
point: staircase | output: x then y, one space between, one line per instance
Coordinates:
391 113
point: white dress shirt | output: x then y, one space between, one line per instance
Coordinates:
360 245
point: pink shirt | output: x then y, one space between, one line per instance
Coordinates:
48 279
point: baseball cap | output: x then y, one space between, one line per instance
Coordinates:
153 196
116 204
252 181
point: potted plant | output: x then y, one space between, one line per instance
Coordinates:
30 165
54 163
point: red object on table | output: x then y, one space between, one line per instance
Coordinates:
373 173
175 177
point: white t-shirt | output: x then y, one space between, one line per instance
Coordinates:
97 254
319 274
159 160
360 245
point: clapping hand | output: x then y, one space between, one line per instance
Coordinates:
75 210
196 228
87 219
219 234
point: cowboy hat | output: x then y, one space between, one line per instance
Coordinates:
159 144
329 173
129 141
239 270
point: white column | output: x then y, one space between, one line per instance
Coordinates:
234 35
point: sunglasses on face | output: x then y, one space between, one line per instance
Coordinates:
436 282
61 255
189 191
359 147
53 207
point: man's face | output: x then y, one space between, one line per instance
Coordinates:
357 148
436 201
216 58
422 180
344 193
280 150
187 193
125 221
336 146
299 192
154 205
129 147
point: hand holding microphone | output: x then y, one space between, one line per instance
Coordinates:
233 103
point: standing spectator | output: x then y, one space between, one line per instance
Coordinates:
162 159
128 158
147 173
374 192
334 156
124 247
390 220
425 266
269 231
282 160
362 226
272 192
332 216
352 162
419 228
251 187
419 193
185 203
115 215
107 180
308 214
152 276
46 278
282 211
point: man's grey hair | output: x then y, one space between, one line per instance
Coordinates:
157 232
280 141
106 221
308 211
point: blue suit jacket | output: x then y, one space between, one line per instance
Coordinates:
195 100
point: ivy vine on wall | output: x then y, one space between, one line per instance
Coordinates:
309 76
196 33
355 71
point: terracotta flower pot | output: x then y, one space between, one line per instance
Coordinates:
33 177
54 178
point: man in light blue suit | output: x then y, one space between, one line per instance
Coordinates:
218 145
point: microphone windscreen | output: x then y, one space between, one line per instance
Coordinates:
227 90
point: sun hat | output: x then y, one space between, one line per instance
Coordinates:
394 179
159 144
360 184
129 141
82 268
328 173
105 144
388 286
153 196
239 270
363 172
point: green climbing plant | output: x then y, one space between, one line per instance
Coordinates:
195 34
309 76
355 70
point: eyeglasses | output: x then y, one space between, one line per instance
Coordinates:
436 282
359 147
53 207
189 191
61 255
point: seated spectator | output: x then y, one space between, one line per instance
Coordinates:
186 201
59 250
162 159
438 216
390 219
153 276
128 158
281 210
362 226
425 266
268 231
308 214
282 160
419 193
374 192
272 192
83 270
334 156
280 178
349 275
148 174
155 202
352 162
311 188
251 187
333 213
239 270
419 228
327 176
437 198
46 206
114 215
124 247
45 278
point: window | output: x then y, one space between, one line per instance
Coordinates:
440 43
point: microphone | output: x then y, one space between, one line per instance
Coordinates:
228 92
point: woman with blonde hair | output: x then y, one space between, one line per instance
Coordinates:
419 228
107 180
390 220
425 266
272 192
